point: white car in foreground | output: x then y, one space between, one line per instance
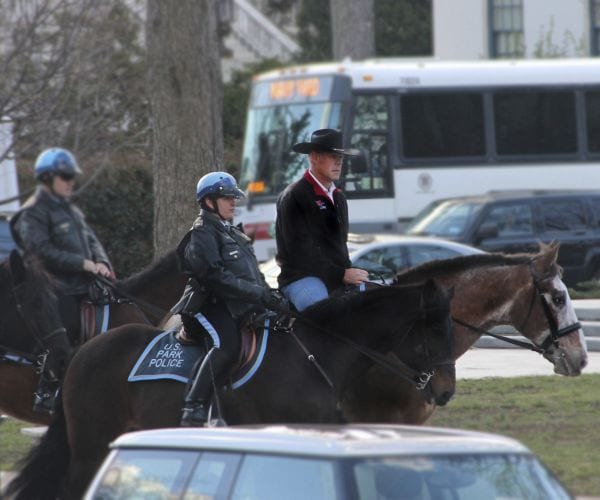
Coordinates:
384 255
317 462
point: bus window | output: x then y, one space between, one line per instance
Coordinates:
530 123
370 171
442 125
592 111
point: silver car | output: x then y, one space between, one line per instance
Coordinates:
365 462
384 255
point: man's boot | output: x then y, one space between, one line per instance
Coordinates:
197 399
59 352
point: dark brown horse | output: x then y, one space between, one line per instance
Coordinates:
99 404
524 291
24 284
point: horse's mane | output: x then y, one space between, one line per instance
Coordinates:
167 264
39 286
435 268
343 305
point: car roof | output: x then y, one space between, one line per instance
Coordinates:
325 440
520 194
363 242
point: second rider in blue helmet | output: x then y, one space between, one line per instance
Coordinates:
225 286
52 228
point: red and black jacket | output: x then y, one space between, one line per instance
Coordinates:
311 233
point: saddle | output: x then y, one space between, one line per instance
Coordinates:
248 333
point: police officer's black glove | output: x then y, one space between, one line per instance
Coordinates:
275 301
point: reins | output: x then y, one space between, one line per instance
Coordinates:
419 379
139 303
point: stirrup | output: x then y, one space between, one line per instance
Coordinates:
194 415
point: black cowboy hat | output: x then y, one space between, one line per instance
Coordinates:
326 140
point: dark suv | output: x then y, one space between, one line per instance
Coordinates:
515 221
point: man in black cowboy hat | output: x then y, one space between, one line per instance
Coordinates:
312 225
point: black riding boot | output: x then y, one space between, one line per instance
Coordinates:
197 399
59 351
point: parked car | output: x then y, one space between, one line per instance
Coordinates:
356 462
384 255
6 242
515 221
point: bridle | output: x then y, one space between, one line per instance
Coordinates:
555 334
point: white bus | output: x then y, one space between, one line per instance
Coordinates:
427 130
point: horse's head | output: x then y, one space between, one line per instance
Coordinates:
26 302
549 318
432 344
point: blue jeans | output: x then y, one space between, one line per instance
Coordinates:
305 292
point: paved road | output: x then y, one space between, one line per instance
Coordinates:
480 363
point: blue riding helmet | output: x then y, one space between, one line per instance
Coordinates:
56 161
218 184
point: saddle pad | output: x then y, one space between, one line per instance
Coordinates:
166 358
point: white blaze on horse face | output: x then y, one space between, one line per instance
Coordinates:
571 355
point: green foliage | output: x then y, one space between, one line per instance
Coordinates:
119 206
547 48
403 27
586 290
314 31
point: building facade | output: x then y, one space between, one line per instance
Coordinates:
491 29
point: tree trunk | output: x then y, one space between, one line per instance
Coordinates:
184 73
352 28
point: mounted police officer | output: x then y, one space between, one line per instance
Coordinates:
225 286
50 227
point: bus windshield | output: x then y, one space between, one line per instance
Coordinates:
268 163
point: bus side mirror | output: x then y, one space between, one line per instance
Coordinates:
486 231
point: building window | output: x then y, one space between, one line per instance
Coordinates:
595 17
506 28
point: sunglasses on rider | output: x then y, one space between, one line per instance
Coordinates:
66 177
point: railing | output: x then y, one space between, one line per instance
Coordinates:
259 35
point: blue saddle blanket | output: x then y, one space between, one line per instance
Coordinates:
166 358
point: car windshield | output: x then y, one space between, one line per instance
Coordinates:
447 219
459 477
162 474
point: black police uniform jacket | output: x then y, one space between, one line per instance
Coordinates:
55 230
221 265
311 233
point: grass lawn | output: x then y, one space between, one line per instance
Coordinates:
556 417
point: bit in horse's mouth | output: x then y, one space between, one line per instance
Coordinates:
562 365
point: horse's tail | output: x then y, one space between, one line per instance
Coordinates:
43 470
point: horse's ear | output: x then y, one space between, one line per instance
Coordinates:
430 290
17 266
546 258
